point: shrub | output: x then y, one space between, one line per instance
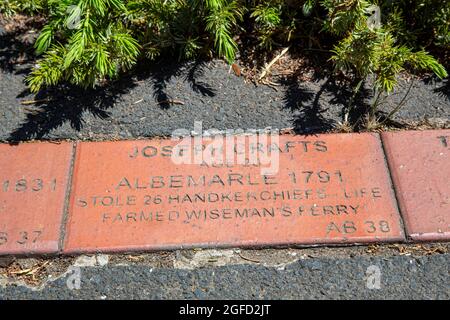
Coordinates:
419 22
372 50
84 42
10 7
369 48
88 41
185 27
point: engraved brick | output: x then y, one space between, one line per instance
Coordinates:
33 185
137 195
419 162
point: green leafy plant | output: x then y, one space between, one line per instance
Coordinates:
84 42
30 7
87 41
267 17
186 26
419 22
367 51
275 21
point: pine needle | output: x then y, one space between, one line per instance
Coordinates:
30 102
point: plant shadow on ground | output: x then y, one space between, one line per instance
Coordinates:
162 72
67 103
308 107
444 89
55 106
16 44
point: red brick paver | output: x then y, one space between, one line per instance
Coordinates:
419 162
130 195
33 182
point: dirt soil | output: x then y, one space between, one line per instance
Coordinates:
34 272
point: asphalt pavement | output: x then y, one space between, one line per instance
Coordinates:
248 274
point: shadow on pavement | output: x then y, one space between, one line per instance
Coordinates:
162 71
308 110
53 107
67 103
444 90
16 44
62 104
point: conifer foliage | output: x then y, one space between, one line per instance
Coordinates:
86 42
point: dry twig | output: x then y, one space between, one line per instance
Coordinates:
29 102
271 63
172 102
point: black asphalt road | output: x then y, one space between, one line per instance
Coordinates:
401 277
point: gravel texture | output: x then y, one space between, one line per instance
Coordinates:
137 106
401 277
